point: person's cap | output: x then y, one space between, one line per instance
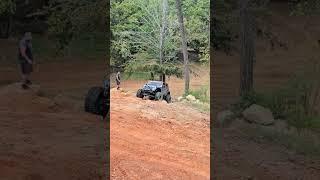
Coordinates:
28 36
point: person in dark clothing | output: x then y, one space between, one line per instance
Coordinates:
26 59
118 80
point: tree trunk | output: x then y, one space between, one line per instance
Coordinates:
247 38
163 33
184 47
5 26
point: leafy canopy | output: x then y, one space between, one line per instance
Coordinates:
7 7
136 28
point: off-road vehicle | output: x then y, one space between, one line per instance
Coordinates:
97 100
155 90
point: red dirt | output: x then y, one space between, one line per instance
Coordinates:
45 139
156 140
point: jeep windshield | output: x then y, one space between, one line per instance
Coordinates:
152 85
155 83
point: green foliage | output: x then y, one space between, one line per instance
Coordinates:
223 20
139 22
226 22
203 94
69 19
304 7
7 7
145 63
197 14
137 76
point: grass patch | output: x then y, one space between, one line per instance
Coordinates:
202 107
203 93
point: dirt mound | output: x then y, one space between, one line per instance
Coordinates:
66 103
157 140
41 135
14 98
160 110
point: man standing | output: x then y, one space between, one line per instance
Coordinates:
118 80
26 59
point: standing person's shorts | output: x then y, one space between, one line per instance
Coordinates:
118 82
26 68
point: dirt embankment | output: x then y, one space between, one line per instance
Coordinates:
156 140
44 133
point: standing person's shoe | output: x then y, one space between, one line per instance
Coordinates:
28 82
24 86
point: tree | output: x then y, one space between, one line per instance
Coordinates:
247 48
68 19
140 22
184 46
150 44
163 33
7 9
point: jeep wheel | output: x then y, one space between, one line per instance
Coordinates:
139 93
158 96
94 101
168 98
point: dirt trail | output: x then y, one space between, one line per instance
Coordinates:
44 136
156 140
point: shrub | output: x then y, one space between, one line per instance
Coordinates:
202 94
295 102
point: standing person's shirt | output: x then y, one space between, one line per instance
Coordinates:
28 46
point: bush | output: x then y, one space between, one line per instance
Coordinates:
202 94
295 102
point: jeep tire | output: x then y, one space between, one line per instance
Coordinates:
139 93
94 101
158 96
168 98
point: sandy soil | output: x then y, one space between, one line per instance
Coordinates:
44 133
156 140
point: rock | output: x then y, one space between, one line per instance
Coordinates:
191 98
184 100
180 98
259 115
224 118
